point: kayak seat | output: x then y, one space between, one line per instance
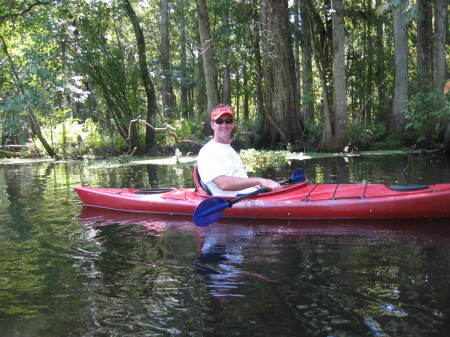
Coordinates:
407 187
200 186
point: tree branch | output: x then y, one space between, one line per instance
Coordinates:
168 129
26 10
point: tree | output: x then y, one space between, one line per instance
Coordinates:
148 84
439 64
400 101
94 59
306 69
339 138
183 60
321 28
207 52
424 44
255 37
168 97
20 89
439 38
226 96
380 78
296 38
282 122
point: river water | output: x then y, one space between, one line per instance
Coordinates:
66 270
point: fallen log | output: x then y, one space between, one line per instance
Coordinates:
14 146
9 154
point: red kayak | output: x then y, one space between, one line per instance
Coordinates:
299 201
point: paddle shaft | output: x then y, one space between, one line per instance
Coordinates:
258 191
245 196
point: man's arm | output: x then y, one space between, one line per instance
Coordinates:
227 183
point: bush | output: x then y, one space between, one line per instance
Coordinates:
256 160
364 136
182 129
424 118
72 140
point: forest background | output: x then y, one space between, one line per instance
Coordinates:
107 77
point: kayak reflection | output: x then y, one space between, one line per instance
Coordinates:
393 229
226 252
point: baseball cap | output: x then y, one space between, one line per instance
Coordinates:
221 110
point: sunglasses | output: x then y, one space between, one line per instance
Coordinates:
220 121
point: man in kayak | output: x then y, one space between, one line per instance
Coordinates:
220 167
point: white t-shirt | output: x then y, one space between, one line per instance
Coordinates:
217 159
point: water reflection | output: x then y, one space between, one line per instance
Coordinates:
331 278
147 284
108 273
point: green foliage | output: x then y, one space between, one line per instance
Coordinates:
12 118
364 136
81 56
313 134
424 116
255 160
246 132
394 140
180 129
72 139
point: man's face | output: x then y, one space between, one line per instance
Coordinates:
222 132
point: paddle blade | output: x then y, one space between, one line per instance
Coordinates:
209 211
297 176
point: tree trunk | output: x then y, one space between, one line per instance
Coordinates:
36 129
148 84
280 95
339 92
168 97
297 51
246 105
226 96
307 71
207 52
439 39
255 38
424 44
237 103
382 115
201 98
439 65
321 33
401 67
366 100
183 61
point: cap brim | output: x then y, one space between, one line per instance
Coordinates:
223 114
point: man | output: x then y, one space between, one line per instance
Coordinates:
220 167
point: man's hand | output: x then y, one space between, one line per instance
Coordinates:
270 184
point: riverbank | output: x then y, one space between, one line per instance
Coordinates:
189 159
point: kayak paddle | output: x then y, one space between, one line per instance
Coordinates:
210 210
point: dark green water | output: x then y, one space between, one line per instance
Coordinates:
69 271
